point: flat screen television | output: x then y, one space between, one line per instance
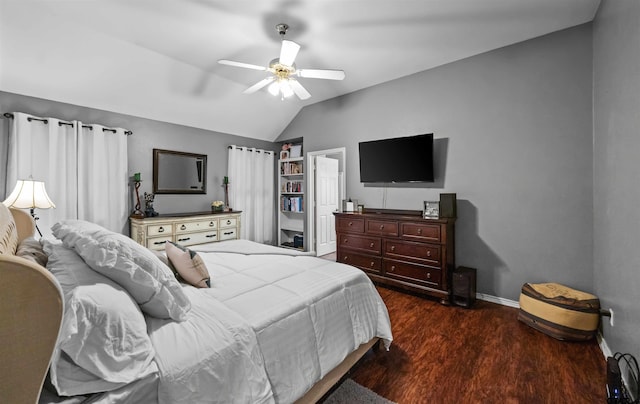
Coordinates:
401 159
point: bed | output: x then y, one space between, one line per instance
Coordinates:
274 326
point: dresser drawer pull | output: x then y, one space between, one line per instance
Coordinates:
372 264
183 227
371 245
428 253
346 258
393 268
211 224
227 233
381 226
228 222
160 229
393 248
419 231
346 240
350 224
428 275
158 242
184 239
210 235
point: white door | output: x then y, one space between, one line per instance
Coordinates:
326 196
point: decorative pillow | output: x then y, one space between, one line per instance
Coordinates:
103 342
31 249
188 264
129 264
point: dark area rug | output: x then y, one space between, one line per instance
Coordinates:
353 393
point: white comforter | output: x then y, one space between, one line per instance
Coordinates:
270 326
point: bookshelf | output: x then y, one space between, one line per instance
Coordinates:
291 210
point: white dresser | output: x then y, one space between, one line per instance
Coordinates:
185 228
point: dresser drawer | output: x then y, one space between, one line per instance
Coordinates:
197 238
421 231
200 225
157 243
428 253
365 262
228 234
228 222
159 229
382 228
412 272
362 243
350 224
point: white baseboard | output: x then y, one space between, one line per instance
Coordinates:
498 300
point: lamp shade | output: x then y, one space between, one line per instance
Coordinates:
29 194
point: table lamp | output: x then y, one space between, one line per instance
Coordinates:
29 194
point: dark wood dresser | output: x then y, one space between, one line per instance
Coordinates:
399 248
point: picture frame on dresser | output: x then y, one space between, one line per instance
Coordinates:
431 209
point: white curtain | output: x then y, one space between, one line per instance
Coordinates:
251 189
84 170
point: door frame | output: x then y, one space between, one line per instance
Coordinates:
339 154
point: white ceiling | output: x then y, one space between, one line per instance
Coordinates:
157 59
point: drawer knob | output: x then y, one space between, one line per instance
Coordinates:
211 224
350 223
183 227
371 245
419 231
228 222
428 275
393 268
372 264
346 240
393 248
381 226
428 253
160 229
346 258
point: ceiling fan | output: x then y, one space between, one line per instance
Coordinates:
283 79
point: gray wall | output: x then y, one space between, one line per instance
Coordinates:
147 135
514 142
616 87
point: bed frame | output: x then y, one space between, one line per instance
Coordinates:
30 313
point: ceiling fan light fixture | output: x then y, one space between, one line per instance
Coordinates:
281 88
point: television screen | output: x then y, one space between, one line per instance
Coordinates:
402 159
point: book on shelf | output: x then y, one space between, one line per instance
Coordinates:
288 168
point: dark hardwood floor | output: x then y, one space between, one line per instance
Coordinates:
446 354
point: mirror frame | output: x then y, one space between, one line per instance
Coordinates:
156 172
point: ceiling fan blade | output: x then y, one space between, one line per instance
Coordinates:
300 91
321 74
240 64
288 52
258 85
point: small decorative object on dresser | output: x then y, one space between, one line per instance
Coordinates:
149 211
137 182
431 209
217 206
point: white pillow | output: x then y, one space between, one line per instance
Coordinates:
103 342
150 282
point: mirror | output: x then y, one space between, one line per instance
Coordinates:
177 172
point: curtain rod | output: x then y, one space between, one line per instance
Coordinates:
46 121
249 149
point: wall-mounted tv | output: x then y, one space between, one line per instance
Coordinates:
401 159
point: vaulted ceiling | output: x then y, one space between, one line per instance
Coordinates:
157 59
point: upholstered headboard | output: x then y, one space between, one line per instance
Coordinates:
31 305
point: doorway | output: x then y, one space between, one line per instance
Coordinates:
326 190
